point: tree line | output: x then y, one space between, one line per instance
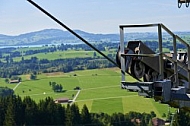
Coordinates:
9 53
15 111
47 66
27 66
5 91
12 52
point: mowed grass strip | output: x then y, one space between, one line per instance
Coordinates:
103 92
162 108
109 106
137 104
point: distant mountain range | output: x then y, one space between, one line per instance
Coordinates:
57 36
54 36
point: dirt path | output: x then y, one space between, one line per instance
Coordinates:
74 99
16 86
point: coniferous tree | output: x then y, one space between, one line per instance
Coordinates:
19 110
19 79
181 118
33 77
60 115
42 105
114 119
45 109
5 91
3 108
7 80
31 111
76 119
10 114
68 119
146 118
118 119
60 88
51 112
85 116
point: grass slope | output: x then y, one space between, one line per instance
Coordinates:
100 91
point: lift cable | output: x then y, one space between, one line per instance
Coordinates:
75 34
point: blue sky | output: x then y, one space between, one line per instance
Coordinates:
95 16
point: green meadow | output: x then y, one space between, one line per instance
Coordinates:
100 91
61 55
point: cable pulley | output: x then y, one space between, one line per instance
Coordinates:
186 2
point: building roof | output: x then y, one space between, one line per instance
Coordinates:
61 100
13 81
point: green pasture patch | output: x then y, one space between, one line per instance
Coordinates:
97 81
4 84
100 91
96 78
40 96
141 104
59 55
112 72
79 54
88 103
22 49
105 92
41 89
49 56
163 108
98 72
35 87
109 106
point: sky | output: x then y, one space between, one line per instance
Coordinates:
94 16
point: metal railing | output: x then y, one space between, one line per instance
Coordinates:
161 62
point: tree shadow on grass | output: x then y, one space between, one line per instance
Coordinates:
63 91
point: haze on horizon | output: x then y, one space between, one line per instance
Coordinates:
19 16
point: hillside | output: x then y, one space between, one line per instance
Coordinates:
53 36
100 91
57 36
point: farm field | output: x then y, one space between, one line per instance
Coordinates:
61 55
100 91
58 55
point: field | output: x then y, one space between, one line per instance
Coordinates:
100 91
61 55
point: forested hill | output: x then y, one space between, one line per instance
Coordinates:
57 36
54 36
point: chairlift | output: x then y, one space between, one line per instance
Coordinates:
180 2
